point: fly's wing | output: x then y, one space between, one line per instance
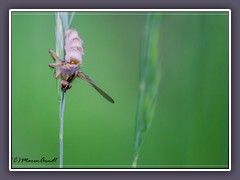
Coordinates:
90 81
55 56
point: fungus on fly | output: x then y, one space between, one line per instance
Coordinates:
69 68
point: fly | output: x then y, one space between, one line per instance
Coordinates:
69 69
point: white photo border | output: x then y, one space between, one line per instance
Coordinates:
116 10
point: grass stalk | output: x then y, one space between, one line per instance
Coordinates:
149 82
62 25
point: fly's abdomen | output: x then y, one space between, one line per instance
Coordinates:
73 47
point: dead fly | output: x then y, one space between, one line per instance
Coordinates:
69 69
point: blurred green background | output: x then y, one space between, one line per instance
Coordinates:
190 128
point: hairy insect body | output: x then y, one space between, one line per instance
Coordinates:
73 47
69 68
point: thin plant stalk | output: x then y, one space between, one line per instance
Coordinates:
149 82
62 107
62 25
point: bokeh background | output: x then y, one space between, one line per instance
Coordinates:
190 127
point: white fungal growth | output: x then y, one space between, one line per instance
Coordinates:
73 47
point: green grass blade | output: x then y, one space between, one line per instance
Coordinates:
149 82
62 25
71 18
61 111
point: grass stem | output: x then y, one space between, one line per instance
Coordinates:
62 25
62 107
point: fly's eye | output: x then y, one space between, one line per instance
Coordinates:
64 85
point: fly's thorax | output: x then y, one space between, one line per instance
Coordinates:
68 69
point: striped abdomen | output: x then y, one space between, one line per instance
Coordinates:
73 47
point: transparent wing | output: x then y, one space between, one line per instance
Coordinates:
90 81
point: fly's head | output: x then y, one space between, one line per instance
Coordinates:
65 85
